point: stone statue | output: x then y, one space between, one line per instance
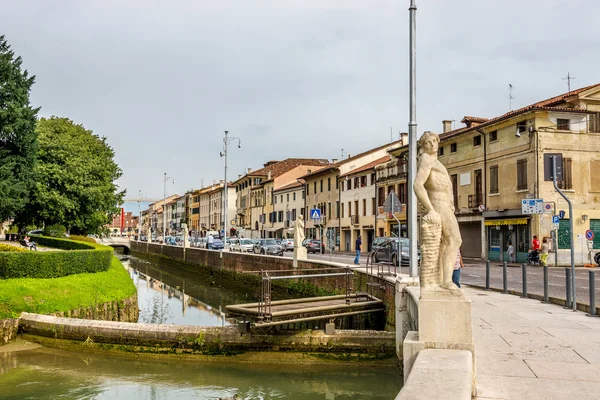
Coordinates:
299 250
299 231
440 235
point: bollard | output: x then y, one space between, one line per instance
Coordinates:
487 275
504 277
546 299
524 274
568 281
592 294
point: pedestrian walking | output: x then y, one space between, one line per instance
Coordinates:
457 266
210 242
358 244
511 253
544 252
535 244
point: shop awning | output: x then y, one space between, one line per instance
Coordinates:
507 221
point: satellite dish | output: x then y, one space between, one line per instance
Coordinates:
481 208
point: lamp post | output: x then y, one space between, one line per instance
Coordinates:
165 206
412 144
226 141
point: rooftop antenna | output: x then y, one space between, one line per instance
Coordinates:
569 78
201 183
342 154
391 135
510 96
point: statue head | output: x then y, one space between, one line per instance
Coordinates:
428 143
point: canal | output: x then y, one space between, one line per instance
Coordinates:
180 296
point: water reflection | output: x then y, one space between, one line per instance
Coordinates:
34 374
161 303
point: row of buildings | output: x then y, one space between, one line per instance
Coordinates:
494 164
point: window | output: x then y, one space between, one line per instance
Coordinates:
329 184
453 148
348 184
288 197
337 185
321 185
281 198
567 180
307 189
402 193
373 178
454 179
363 181
594 123
364 205
563 124
373 206
337 209
380 196
342 210
294 197
440 151
493 136
521 174
280 216
356 182
315 187
275 199
494 179
355 207
329 209
521 126
477 140
349 208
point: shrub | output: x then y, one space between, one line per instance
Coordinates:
79 258
79 238
55 230
7 247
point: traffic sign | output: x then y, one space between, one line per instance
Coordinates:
561 214
589 234
548 208
532 206
555 221
315 213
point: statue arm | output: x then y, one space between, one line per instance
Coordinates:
423 171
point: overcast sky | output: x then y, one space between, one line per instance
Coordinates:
302 78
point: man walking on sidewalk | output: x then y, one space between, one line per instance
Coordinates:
358 244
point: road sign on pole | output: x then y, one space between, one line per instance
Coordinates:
561 214
315 213
555 221
532 206
589 234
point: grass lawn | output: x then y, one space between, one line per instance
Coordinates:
45 296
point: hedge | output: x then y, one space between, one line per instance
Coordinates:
8 247
79 258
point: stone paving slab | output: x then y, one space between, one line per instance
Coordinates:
526 349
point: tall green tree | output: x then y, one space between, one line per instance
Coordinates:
17 133
75 178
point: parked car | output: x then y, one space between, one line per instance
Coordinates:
390 248
232 243
287 244
315 246
268 247
218 244
244 246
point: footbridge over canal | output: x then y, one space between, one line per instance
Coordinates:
269 313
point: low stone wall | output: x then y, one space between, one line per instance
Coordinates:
180 339
8 328
244 262
126 310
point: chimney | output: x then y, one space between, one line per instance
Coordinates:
404 138
269 175
248 171
333 160
447 125
239 176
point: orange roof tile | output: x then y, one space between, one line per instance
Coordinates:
368 166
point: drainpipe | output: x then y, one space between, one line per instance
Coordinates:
340 217
485 192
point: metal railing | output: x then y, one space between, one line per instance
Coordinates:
412 306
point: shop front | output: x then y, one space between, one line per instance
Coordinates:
505 231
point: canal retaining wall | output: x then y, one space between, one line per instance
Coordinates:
246 262
8 329
227 340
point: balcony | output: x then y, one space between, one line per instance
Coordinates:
354 219
475 200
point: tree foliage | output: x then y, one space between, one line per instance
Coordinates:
75 178
17 133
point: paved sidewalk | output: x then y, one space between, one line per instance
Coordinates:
526 349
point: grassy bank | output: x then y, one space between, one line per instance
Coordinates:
46 296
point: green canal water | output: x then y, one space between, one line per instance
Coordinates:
167 295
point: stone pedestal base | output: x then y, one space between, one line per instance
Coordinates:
445 322
299 254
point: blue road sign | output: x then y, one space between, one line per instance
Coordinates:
561 214
589 234
555 219
315 213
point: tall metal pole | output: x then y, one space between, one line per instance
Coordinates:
412 144
571 216
225 204
165 210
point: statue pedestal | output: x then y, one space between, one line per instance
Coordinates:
299 254
444 322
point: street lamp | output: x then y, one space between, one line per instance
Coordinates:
165 205
226 141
